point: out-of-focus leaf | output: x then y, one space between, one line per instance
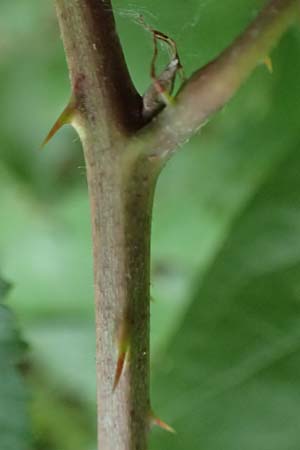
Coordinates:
14 415
230 378
52 341
60 420
46 249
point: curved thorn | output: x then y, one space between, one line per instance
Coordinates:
123 348
120 367
64 118
154 420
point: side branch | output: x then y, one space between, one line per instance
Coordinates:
209 88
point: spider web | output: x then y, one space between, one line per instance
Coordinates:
201 28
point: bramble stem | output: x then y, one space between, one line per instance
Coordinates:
121 204
123 158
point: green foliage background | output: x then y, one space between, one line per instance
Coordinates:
226 244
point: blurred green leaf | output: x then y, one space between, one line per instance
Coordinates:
60 420
14 414
45 247
52 341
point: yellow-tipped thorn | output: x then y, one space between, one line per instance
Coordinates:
120 367
268 63
123 350
64 118
161 424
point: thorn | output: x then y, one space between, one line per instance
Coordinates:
268 63
120 367
123 348
160 423
64 118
